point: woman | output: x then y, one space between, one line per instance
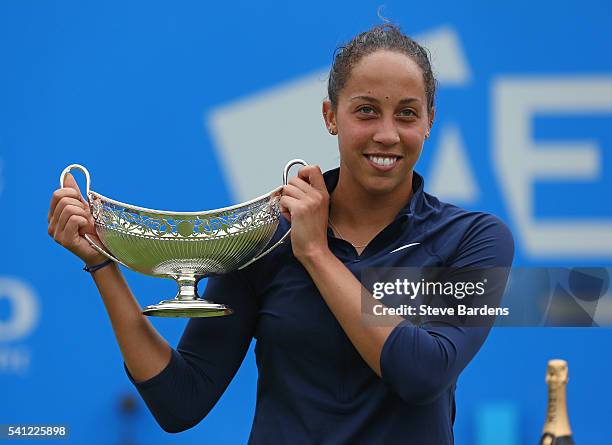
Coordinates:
324 376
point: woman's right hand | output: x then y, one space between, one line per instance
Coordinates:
69 219
144 350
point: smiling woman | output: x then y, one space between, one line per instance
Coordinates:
381 105
382 119
324 375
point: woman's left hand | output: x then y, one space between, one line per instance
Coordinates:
305 203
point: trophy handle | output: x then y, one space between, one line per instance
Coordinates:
288 232
79 167
288 166
87 186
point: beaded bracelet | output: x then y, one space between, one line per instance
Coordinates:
96 267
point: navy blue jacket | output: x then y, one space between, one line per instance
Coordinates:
313 386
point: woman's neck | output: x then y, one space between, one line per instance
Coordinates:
353 206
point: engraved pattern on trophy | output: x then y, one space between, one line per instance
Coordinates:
185 246
170 245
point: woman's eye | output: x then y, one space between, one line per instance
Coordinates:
366 110
407 112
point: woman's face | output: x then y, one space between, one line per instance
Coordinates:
382 121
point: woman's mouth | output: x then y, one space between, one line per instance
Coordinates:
383 162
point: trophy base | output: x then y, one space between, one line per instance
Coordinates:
196 308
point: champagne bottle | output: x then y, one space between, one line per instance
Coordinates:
557 428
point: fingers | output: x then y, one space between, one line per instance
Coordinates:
308 179
301 207
287 205
70 218
305 194
66 207
70 182
294 191
63 202
69 236
301 190
58 195
300 184
67 213
285 212
312 175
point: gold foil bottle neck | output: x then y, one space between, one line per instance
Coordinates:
557 429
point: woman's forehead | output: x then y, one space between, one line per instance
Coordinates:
383 73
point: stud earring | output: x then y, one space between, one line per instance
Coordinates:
333 132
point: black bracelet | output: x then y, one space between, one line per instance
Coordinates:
92 269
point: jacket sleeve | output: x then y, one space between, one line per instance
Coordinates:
421 362
207 357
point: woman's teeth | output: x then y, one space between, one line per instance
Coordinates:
382 160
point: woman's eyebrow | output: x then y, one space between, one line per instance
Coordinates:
367 98
407 100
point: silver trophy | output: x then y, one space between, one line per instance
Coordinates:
185 246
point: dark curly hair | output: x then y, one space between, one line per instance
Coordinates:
382 37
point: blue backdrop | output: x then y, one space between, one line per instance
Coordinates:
199 105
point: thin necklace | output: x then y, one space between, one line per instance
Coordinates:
335 229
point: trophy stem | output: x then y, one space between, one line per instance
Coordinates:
188 288
187 303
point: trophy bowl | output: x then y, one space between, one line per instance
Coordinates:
185 246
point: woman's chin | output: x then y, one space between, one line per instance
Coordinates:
383 186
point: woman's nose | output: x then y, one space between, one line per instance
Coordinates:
386 133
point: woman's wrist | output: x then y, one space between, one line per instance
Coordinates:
96 267
315 256
94 260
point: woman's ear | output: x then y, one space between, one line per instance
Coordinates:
432 115
329 116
